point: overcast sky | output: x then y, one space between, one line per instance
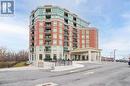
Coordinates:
111 17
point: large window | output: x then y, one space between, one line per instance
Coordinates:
83 41
54 29
48 10
47 48
54 42
41 24
40 42
60 30
54 23
55 36
40 36
60 36
40 56
48 16
60 24
40 30
60 42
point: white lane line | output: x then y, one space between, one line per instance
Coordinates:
88 73
74 71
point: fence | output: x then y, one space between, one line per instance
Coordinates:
62 62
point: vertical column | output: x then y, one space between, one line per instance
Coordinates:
37 57
69 56
43 56
81 57
89 56
95 56
99 56
86 56
52 53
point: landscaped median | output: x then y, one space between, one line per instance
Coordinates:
8 64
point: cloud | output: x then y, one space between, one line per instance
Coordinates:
110 17
13 34
80 1
118 38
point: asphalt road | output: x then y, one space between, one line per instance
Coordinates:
93 74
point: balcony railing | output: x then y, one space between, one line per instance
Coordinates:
47 31
48 38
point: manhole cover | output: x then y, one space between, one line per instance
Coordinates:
47 84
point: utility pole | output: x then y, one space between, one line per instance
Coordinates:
114 55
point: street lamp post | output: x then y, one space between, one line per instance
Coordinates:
115 55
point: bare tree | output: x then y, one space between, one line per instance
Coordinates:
3 53
10 55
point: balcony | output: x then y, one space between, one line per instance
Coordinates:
66 32
47 31
48 24
48 17
74 36
74 18
48 10
75 42
66 44
66 49
48 42
66 21
74 24
47 48
48 37
65 14
74 31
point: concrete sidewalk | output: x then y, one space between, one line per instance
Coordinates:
56 68
70 67
20 68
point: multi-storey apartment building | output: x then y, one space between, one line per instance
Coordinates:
57 33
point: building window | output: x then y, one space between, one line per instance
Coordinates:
54 57
83 37
40 56
87 32
40 42
54 23
60 30
40 30
54 36
83 41
41 24
87 37
60 36
47 48
60 24
48 57
55 29
83 46
54 42
60 42
40 36
48 10
40 48
74 18
48 16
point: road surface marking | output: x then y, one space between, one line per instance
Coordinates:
88 73
47 84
